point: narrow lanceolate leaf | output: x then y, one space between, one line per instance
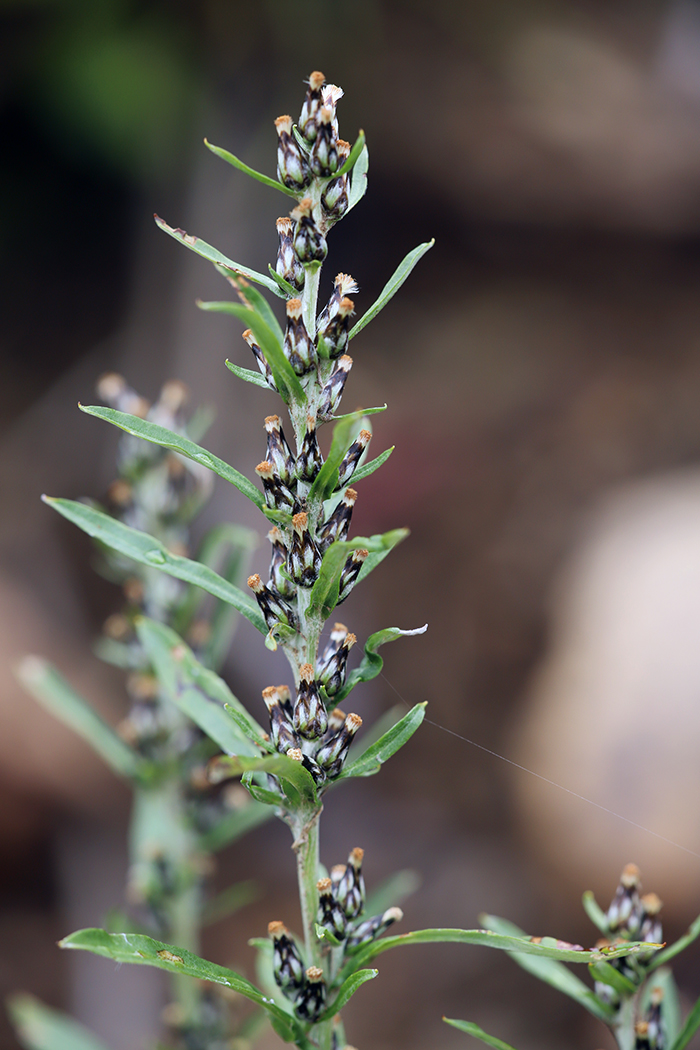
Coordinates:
540 948
689 1028
247 375
325 935
392 286
229 901
479 1033
265 179
40 1028
285 289
374 464
344 433
678 946
391 539
279 765
201 247
353 156
362 411
346 992
603 971
358 179
372 662
171 660
148 551
392 891
250 296
235 824
178 661
324 593
369 761
595 913
54 693
145 951
284 375
143 428
551 971
670 1003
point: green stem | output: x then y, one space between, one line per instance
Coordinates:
306 845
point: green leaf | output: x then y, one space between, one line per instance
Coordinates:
251 297
551 971
364 411
352 157
286 290
325 935
54 693
680 945
172 661
145 951
544 948
284 375
235 824
689 1029
346 992
392 286
143 428
478 1033
595 913
603 971
265 179
324 593
178 668
279 765
146 550
230 901
358 179
248 375
201 247
392 891
369 468
372 663
344 433
40 1028
670 1003
390 540
376 754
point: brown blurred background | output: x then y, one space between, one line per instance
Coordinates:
542 370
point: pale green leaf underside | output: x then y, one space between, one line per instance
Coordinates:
358 179
265 179
392 286
145 951
550 971
478 1033
40 1028
377 753
277 764
196 244
168 653
148 551
352 157
157 435
54 693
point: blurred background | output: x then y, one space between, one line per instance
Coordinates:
542 371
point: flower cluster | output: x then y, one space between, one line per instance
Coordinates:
341 905
633 916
